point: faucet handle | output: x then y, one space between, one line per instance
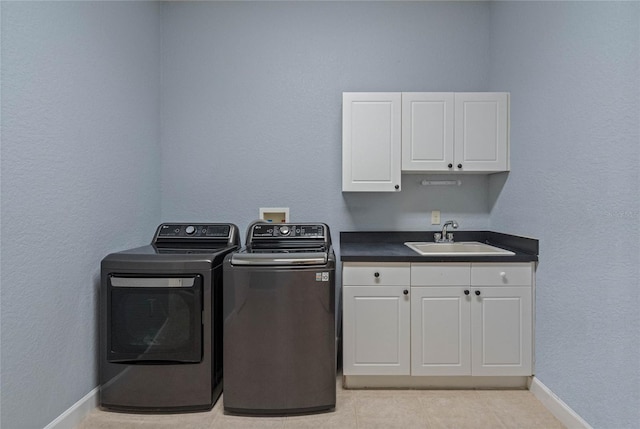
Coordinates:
450 237
437 237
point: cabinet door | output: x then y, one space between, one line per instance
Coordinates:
376 330
371 138
440 331
427 131
501 330
481 132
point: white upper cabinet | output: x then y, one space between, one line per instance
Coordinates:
387 133
371 138
427 131
455 132
481 132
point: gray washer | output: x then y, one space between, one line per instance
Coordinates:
279 327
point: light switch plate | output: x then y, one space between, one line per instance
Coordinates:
435 217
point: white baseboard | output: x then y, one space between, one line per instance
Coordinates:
556 406
74 414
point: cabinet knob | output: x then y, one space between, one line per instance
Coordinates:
466 291
376 274
459 165
397 187
478 292
450 165
503 274
406 292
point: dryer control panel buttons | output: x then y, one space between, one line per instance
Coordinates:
191 231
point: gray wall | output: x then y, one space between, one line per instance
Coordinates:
573 69
252 96
116 116
80 178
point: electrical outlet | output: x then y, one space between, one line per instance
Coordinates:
435 217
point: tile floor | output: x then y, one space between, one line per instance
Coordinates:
406 409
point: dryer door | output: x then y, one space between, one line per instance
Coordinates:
154 319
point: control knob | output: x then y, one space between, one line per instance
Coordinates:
284 230
190 229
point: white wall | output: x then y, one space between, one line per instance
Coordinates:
80 179
573 69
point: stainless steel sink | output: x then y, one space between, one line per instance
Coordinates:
461 248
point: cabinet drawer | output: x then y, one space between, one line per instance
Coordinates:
514 274
375 274
449 274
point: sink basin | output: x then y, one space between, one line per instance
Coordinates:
461 248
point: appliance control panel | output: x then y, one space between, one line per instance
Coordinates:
190 231
288 230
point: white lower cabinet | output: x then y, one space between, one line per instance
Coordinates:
455 319
440 331
376 309
502 318
501 334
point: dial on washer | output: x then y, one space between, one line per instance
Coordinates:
284 230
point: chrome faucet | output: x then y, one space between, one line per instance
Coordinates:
444 236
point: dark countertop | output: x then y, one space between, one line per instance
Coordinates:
380 246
